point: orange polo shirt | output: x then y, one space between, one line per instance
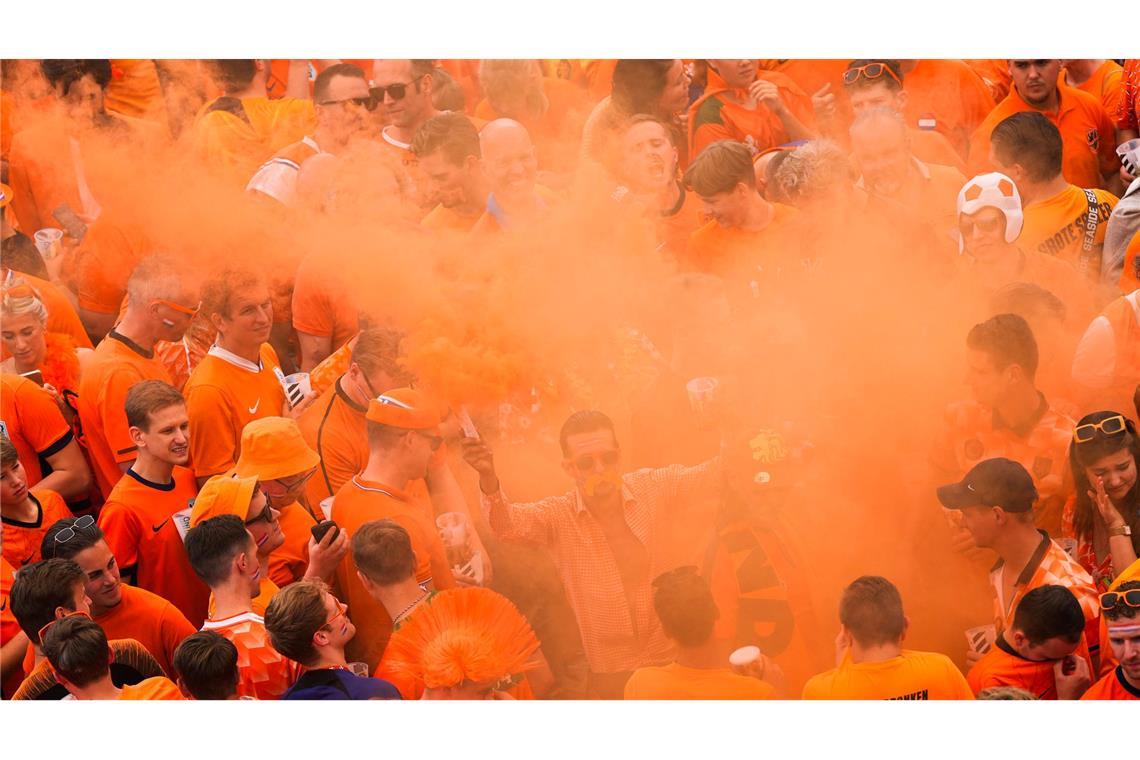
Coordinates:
33 423
1106 86
1056 227
361 501
117 364
153 621
157 688
1113 686
1087 136
143 523
911 675
731 252
223 395
22 540
674 681
948 97
334 427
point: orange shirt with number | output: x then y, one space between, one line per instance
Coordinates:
911 675
263 672
22 539
1056 227
33 423
141 524
225 393
117 364
153 621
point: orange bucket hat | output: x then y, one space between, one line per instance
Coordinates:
223 495
272 448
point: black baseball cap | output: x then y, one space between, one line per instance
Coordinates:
993 482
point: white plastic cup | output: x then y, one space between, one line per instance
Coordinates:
743 657
981 638
455 533
48 242
297 386
359 668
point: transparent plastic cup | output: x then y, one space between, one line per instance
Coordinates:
49 241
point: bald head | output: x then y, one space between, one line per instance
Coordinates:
881 121
509 160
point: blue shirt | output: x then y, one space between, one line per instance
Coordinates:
336 683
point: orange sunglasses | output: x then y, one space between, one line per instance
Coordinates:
869 71
42 631
179 307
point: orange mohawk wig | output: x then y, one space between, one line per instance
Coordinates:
467 634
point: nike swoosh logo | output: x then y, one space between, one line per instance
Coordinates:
253 409
157 528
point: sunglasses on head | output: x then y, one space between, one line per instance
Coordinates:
68 533
588 462
42 631
869 71
1111 426
369 103
396 91
1113 599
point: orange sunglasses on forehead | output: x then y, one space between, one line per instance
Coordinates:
1110 426
190 312
869 71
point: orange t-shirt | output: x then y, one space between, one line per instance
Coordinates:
949 97
1106 86
141 524
288 562
335 428
361 501
929 200
235 136
911 675
994 73
1003 666
105 259
1113 686
1130 275
812 74
157 688
62 317
714 117
264 673
675 681
153 621
32 421
111 371
742 253
22 540
322 304
134 90
8 625
441 219
1056 227
1087 136
223 395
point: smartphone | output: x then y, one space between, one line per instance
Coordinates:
466 424
35 376
320 529
70 222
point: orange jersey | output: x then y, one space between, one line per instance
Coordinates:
361 501
32 421
948 97
973 432
1056 227
1087 136
223 395
1003 666
1113 686
22 539
716 117
674 681
264 673
117 364
335 428
1106 86
157 688
62 317
142 523
322 303
153 621
134 90
288 562
911 675
747 254
235 136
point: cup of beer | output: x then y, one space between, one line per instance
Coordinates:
297 386
981 638
745 661
455 532
48 242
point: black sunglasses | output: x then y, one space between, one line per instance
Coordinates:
368 104
264 514
397 91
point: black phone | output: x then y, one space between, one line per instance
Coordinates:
70 222
35 376
320 529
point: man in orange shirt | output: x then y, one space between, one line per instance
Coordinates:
26 514
872 663
759 109
1042 650
947 96
746 234
123 611
1120 609
13 642
239 379
32 421
403 88
1099 77
1106 364
510 164
81 658
875 84
1089 158
342 106
688 615
448 152
236 132
160 307
146 513
224 555
1061 219
403 434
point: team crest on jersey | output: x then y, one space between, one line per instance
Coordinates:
1093 139
974 449
1041 467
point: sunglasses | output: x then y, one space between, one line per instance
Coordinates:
343 611
396 91
869 71
179 307
42 631
1111 426
283 485
68 533
265 514
589 462
369 103
987 226
1113 599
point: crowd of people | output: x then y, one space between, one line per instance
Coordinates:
296 352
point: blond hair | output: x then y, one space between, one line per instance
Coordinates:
20 298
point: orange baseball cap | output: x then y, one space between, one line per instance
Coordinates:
404 408
273 447
5 195
223 495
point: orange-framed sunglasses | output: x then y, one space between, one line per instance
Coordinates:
179 307
343 611
42 631
1111 599
869 71
1110 426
